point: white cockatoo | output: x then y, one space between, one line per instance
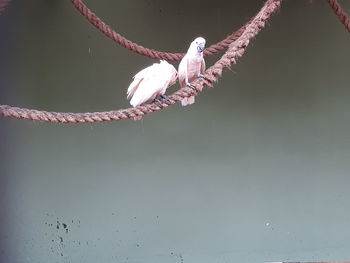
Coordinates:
151 82
192 66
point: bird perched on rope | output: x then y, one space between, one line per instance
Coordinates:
151 82
192 66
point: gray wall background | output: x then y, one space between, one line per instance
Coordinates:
257 170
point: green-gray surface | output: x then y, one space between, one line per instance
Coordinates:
256 170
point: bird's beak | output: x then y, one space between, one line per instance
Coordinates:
200 47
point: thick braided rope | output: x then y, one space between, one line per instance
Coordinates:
3 5
338 10
235 49
151 53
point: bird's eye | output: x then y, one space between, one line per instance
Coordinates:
196 42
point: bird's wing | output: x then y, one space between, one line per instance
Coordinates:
138 78
133 87
202 66
182 71
148 89
151 85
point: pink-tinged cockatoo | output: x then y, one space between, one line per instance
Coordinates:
192 66
151 82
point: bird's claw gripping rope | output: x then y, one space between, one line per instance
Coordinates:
165 97
190 85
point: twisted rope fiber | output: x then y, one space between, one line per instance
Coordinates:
236 49
151 53
3 5
338 10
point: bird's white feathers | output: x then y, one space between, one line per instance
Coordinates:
154 80
151 82
191 65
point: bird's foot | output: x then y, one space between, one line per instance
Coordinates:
165 97
201 76
157 101
190 85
